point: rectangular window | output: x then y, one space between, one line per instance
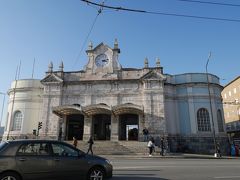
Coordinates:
230 93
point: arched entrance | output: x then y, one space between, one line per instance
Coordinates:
128 116
75 126
128 127
101 120
74 120
101 126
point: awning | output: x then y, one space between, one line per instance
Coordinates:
90 110
67 110
128 108
97 109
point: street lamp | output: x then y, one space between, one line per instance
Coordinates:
2 107
210 100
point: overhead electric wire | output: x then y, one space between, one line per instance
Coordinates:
86 38
161 13
212 3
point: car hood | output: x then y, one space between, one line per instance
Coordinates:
95 157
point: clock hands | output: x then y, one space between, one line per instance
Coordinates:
105 60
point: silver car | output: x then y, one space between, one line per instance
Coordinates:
47 159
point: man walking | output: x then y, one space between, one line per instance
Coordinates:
90 142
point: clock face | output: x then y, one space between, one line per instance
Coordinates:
101 60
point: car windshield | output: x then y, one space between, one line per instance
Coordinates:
2 145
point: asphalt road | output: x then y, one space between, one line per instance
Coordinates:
175 169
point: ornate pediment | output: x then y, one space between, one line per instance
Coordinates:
102 59
51 78
152 75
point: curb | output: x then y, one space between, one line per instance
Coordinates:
183 156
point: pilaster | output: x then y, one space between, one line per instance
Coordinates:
87 128
114 128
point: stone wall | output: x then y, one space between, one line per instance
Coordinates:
199 145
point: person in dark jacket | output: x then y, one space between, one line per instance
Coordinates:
162 146
145 134
90 142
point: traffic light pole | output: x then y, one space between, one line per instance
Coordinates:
39 127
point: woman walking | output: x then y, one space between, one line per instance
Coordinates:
150 146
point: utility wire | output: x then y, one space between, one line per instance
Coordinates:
212 3
161 13
86 39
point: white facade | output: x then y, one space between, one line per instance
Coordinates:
25 97
113 103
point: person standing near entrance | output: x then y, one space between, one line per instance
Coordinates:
90 142
145 134
75 142
60 134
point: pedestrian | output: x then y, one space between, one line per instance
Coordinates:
145 134
60 134
218 150
153 141
150 146
162 146
75 142
90 142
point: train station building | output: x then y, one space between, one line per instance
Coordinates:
113 103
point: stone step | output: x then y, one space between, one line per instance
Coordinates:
115 148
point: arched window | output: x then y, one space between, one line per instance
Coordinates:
17 121
220 121
203 120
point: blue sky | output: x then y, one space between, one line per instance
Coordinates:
55 31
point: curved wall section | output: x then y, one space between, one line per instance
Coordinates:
25 96
184 95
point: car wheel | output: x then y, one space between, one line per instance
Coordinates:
9 176
96 173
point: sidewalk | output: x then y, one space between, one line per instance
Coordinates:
169 155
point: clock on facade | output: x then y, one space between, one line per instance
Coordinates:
101 60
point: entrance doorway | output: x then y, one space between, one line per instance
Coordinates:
75 126
128 127
102 127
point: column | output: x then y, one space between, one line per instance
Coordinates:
64 128
141 122
87 128
114 128
191 110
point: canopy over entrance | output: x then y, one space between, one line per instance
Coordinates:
128 108
67 110
97 109
101 108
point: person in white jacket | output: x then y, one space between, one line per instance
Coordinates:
150 146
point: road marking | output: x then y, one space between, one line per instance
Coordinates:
141 167
227 177
167 166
